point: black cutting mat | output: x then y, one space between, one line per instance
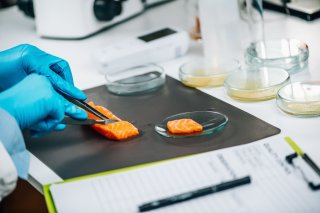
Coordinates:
79 150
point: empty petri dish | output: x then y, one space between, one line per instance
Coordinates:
256 83
210 120
195 73
135 81
289 54
300 99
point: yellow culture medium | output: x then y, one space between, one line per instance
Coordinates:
252 92
300 99
197 73
201 79
257 84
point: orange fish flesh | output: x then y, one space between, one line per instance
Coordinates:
121 130
184 126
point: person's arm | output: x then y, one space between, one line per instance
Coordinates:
31 104
10 136
12 140
8 173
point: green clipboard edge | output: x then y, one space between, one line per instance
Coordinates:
46 188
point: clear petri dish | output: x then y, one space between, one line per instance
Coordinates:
300 99
195 74
211 121
256 83
135 81
289 54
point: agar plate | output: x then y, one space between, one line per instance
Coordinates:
256 83
135 81
300 99
194 73
210 120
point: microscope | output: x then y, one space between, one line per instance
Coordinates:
78 19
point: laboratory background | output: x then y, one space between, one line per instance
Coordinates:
159 106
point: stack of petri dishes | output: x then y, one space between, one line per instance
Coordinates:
269 65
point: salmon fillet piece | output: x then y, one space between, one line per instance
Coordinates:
121 130
184 126
102 110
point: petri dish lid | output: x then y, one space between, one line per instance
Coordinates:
289 54
210 120
135 81
256 83
300 98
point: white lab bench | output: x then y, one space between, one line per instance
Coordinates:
15 29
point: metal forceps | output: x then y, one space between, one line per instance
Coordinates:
86 107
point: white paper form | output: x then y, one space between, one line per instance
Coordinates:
276 186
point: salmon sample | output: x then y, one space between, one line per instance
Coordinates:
184 126
121 130
104 111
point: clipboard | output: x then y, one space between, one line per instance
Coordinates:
271 154
46 188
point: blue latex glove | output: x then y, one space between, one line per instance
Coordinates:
18 62
36 105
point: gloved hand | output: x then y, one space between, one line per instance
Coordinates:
20 61
36 105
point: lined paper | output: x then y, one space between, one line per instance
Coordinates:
276 186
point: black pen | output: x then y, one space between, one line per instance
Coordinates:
194 194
